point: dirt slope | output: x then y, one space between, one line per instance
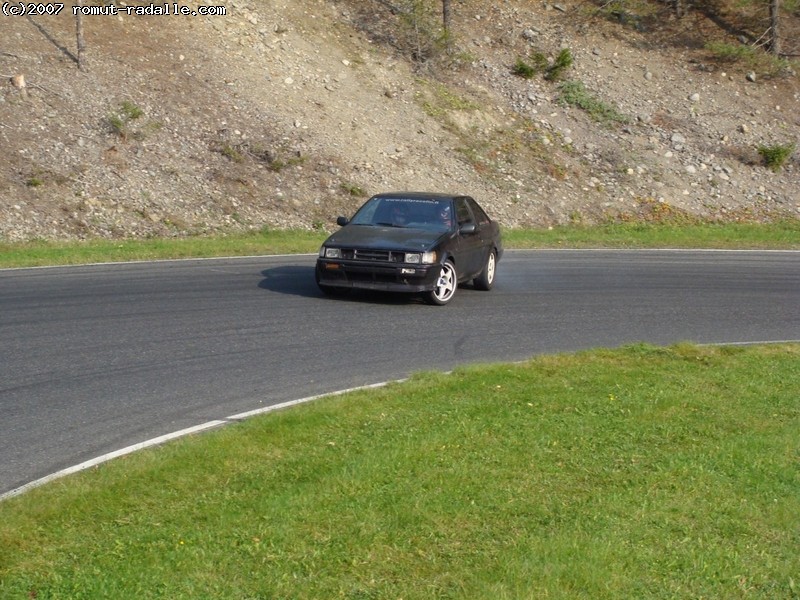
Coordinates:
286 114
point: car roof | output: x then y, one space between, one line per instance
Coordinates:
419 195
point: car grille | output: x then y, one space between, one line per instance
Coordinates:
373 255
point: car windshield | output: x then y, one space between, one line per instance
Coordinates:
415 213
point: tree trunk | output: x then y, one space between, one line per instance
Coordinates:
79 36
446 16
774 19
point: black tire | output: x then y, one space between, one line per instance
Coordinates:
329 290
446 285
485 280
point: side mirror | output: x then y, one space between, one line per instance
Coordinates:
342 221
467 228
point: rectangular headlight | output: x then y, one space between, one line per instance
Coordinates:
428 258
333 253
420 258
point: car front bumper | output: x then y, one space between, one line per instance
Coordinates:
377 276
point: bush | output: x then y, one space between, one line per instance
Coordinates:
574 93
538 63
726 52
523 69
776 156
119 119
562 63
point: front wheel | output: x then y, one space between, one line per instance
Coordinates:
446 285
485 280
329 290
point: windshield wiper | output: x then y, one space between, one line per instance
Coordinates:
389 224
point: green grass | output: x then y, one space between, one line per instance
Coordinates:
784 234
779 235
267 241
641 472
749 57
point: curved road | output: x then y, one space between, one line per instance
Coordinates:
97 358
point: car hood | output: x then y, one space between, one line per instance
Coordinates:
386 238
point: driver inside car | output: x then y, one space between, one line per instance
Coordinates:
399 216
446 216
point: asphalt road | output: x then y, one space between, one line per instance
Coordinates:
97 358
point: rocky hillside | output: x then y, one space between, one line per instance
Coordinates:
287 113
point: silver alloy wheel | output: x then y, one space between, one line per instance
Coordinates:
446 284
485 279
490 266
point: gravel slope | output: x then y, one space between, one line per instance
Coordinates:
286 114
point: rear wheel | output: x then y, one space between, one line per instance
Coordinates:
446 285
485 280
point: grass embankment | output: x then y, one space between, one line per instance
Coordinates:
780 235
637 473
268 241
730 236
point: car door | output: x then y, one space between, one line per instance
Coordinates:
470 261
486 229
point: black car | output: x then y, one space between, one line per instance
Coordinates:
412 242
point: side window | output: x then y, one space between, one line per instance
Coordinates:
463 214
480 216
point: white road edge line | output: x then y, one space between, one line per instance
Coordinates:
303 255
158 261
242 416
162 439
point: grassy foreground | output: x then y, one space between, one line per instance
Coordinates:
641 472
779 235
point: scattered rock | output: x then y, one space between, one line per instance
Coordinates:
240 124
